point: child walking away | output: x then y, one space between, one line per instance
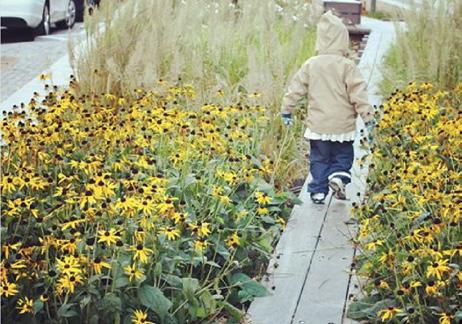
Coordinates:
336 94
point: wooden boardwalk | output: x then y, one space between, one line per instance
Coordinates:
309 275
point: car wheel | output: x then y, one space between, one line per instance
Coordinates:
70 16
80 9
45 25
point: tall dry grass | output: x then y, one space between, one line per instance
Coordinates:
428 46
252 47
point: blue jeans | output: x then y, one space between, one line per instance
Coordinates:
329 159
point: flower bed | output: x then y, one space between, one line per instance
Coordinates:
410 226
145 209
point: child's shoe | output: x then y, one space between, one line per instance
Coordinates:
338 187
318 198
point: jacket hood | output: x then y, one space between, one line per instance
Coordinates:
332 35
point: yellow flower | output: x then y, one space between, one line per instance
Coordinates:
200 245
45 76
25 305
445 318
141 253
69 265
225 200
170 232
108 237
68 282
389 313
233 240
438 269
8 289
133 272
432 287
99 264
262 198
7 185
140 317
204 229
384 285
374 244
262 211
44 297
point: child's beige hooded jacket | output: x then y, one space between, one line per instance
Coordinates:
335 88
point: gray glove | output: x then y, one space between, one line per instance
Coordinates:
287 119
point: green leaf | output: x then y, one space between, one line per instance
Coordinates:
84 301
94 319
111 303
239 278
66 311
268 220
158 269
173 280
233 311
38 306
213 264
265 240
190 286
200 312
121 282
249 287
367 308
458 316
255 289
208 301
153 298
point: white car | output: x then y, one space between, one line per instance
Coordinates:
37 15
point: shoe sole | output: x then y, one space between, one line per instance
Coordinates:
339 193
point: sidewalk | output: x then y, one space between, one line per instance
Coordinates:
309 276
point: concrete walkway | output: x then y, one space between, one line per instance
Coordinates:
59 72
309 275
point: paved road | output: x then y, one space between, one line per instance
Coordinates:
22 60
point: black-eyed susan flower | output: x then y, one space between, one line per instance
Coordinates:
200 244
438 268
67 283
133 272
68 265
99 264
141 252
445 318
170 233
8 289
233 240
262 198
25 305
140 317
388 313
108 237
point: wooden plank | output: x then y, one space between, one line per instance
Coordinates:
323 297
288 267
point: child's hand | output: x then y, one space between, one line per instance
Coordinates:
370 125
287 119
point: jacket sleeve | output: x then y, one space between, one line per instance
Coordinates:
357 93
298 88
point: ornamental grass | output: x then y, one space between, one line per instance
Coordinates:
253 47
427 47
146 209
410 234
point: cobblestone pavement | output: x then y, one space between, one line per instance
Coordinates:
22 60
